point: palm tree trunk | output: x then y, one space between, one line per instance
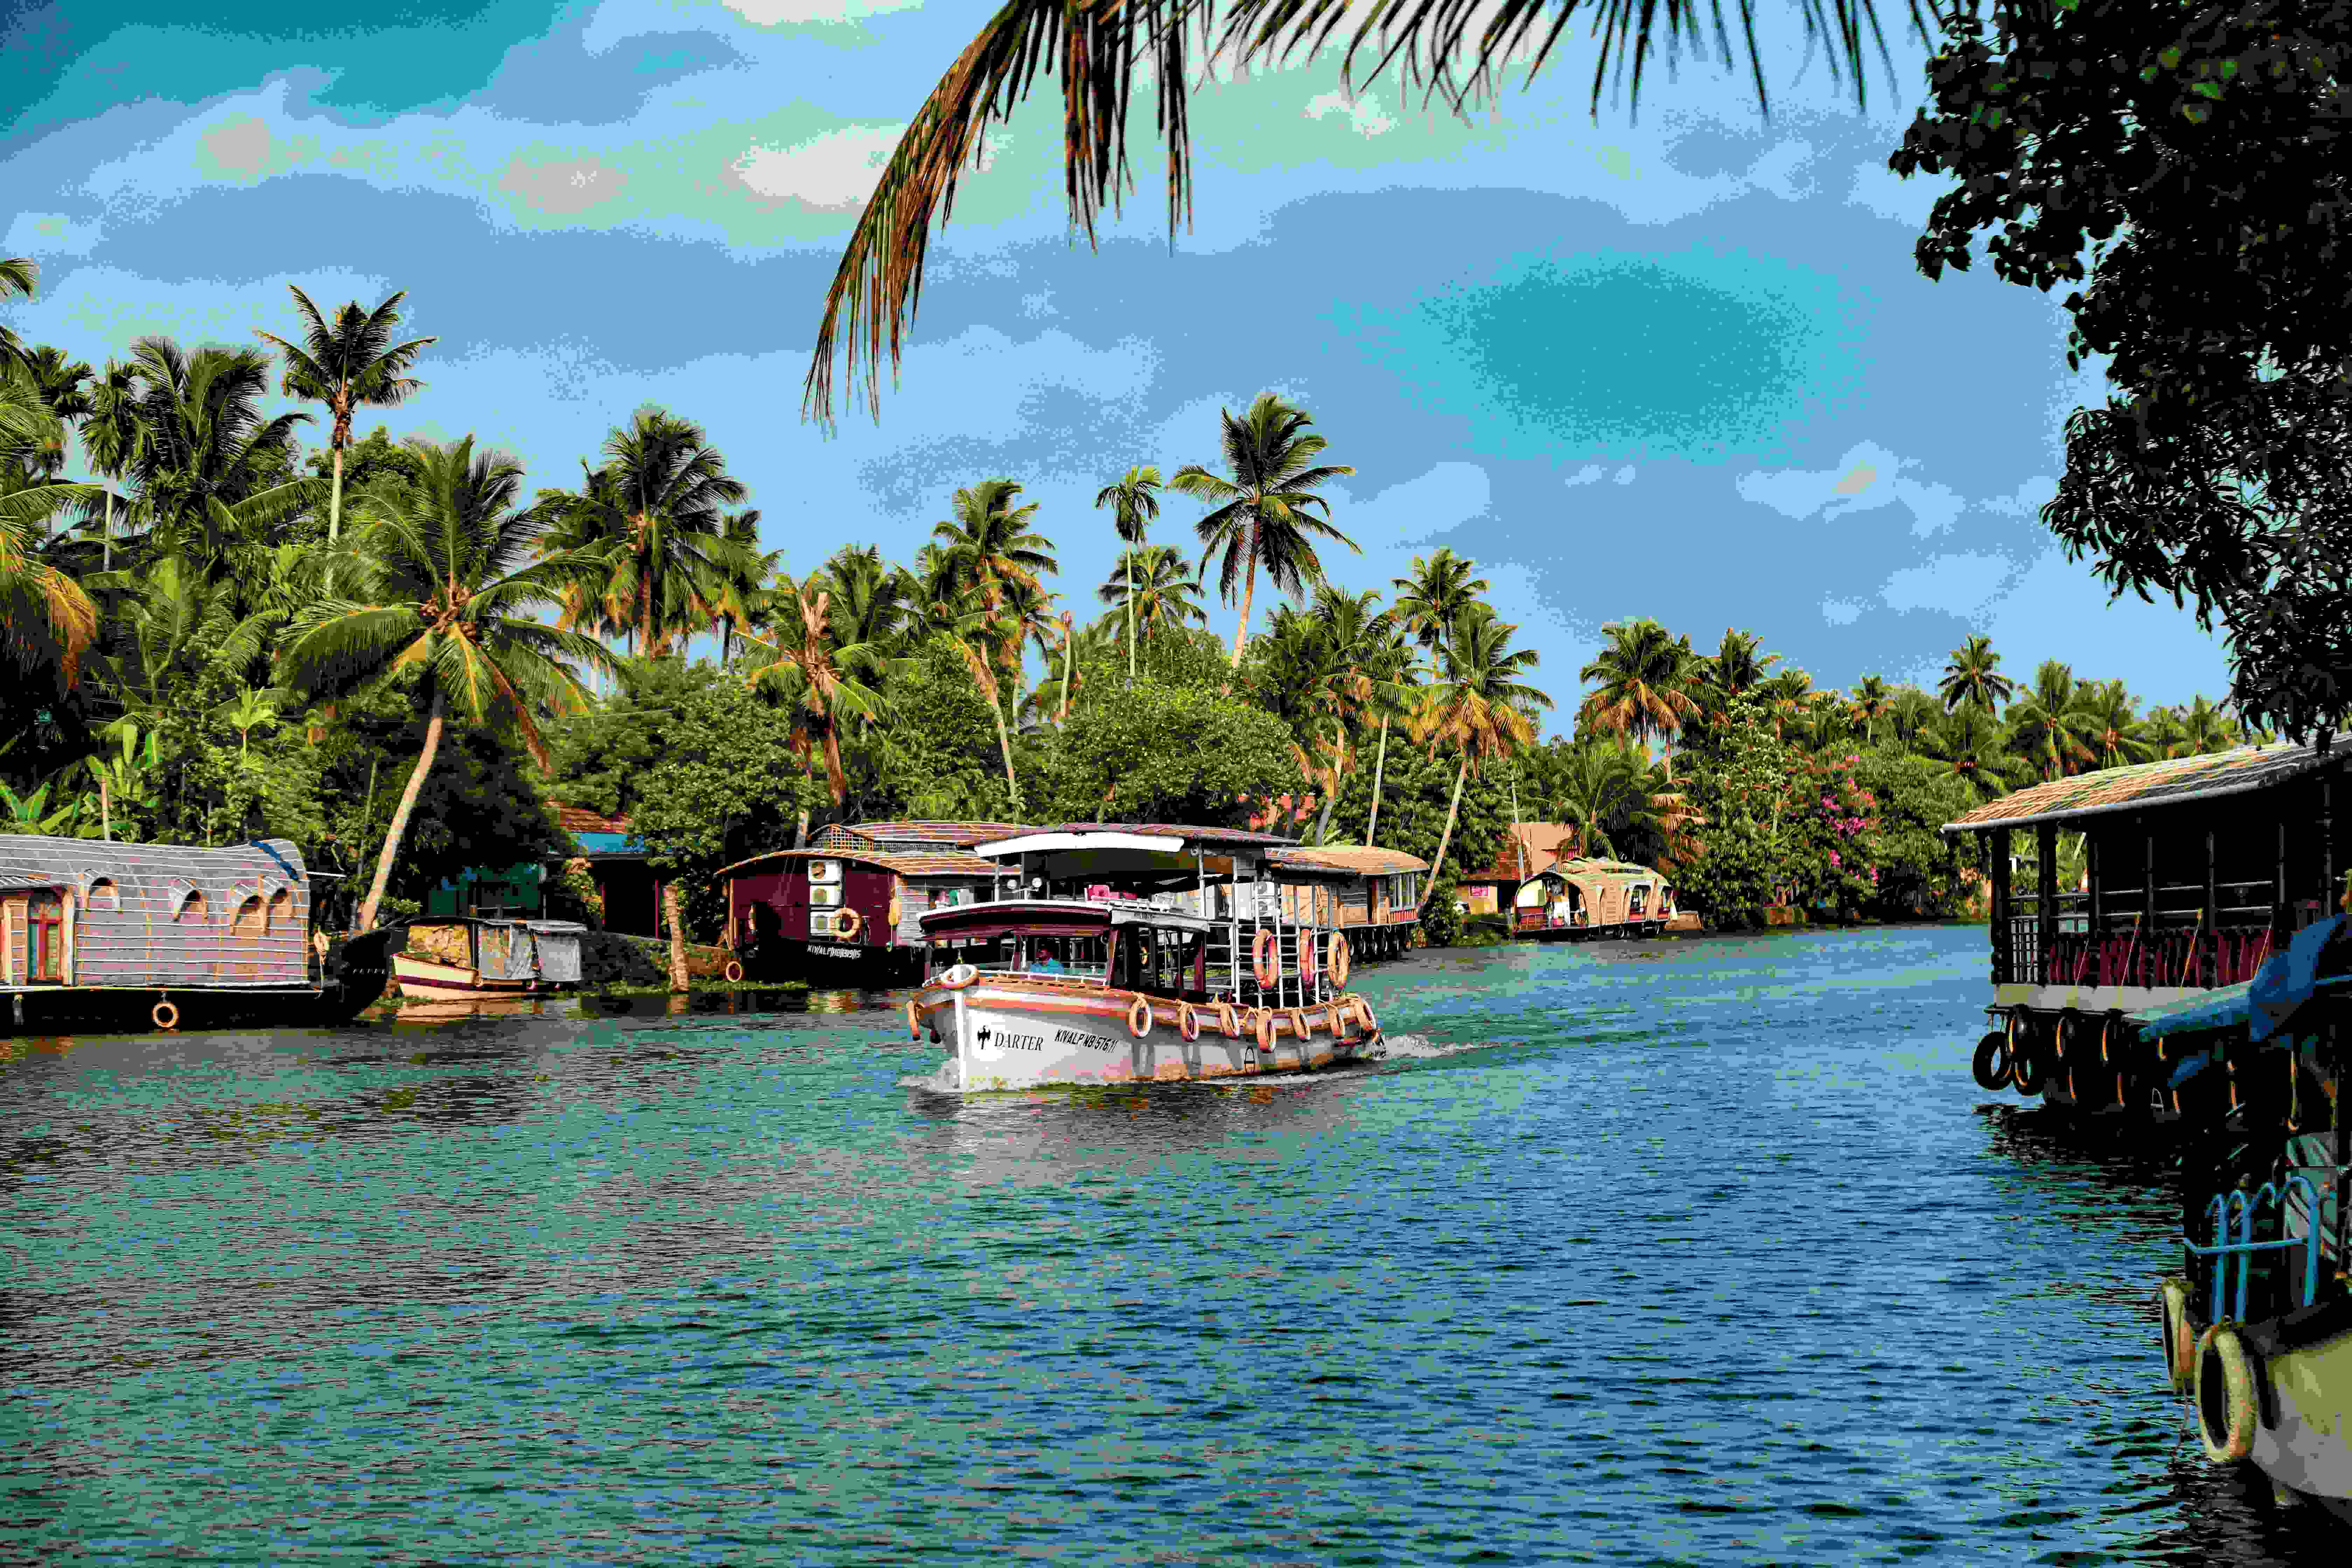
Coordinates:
1130 616
677 917
400 814
1452 806
335 505
836 779
1372 822
1005 742
1331 794
106 557
1249 588
1069 652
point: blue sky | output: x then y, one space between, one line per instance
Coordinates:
1679 365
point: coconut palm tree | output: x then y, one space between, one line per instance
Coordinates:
19 277
1644 677
1134 502
1974 677
1872 701
652 520
347 364
1967 740
1737 665
2206 728
1265 511
989 545
440 583
1909 713
2112 731
1436 591
1098 48
209 467
1154 587
1388 663
2047 728
46 621
731 595
61 386
1601 792
111 438
979 638
826 679
1480 706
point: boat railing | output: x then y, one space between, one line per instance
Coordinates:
2232 1218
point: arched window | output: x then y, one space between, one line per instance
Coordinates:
281 909
192 909
103 894
250 919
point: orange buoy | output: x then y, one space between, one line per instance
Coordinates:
1340 959
166 1016
960 976
914 1020
1228 1022
733 972
1188 1022
1265 1030
1139 1020
847 924
1266 961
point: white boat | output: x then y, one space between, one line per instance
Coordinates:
1134 954
452 957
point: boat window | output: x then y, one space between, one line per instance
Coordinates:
192 909
44 938
251 921
103 894
281 908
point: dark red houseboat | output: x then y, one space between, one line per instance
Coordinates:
845 908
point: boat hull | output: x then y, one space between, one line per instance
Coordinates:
1023 1032
2302 1367
422 977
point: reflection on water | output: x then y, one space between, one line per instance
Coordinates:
1690 1252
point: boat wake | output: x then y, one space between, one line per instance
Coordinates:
941 1079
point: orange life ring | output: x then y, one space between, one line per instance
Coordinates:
958 977
733 972
1364 1011
1298 1025
847 924
1265 1030
1342 959
1335 1018
914 1020
1139 1020
166 1016
1265 962
1306 962
1228 1022
1188 1022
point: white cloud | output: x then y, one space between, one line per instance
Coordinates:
2027 499
562 186
37 234
1841 612
1624 475
1363 110
802 13
832 172
1449 495
1588 475
1964 583
1867 477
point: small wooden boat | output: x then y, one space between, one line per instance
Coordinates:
1136 954
452 957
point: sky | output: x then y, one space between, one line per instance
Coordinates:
1676 363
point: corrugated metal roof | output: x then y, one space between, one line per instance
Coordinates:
2141 786
580 819
1240 837
1349 857
947 865
963 834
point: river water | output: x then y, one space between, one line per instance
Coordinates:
1695 1252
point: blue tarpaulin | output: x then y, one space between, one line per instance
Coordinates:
2264 1006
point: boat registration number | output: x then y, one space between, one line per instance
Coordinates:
1092 1042
823 950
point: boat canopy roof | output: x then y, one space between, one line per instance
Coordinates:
944 864
2145 786
1345 860
1118 848
1050 916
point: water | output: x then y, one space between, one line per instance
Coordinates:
1706 1252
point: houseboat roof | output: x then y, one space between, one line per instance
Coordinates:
937 864
2170 782
1528 848
1053 917
1362 862
36 860
899 837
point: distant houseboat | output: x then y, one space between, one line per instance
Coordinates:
2194 871
1136 952
1580 898
92 929
1372 896
847 908
450 958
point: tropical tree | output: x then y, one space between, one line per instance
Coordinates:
652 520
989 545
1738 665
349 363
212 471
1644 677
1480 706
1134 502
1873 701
826 679
110 437
19 277
2047 727
2114 732
1909 714
1967 743
440 585
1435 592
2206 728
46 622
729 594
1388 663
979 638
1600 789
1097 47
1974 677
1265 513
1154 586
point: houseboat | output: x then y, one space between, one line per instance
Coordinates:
2257 1329
1581 898
847 908
1127 952
456 957
93 930
1373 897
2184 877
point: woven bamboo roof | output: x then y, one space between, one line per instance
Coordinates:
932 865
1348 857
2173 781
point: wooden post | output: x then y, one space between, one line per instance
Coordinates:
2212 958
2092 860
2045 847
2278 912
2327 839
2004 943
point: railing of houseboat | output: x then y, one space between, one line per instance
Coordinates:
2121 946
2232 1217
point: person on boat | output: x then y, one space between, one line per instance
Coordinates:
1042 961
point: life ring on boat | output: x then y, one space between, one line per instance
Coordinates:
914 1020
960 976
1229 1022
1340 959
2179 1344
1364 1011
1265 961
2225 1394
1139 1020
1335 1018
1306 962
165 1016
1263 1030
1990 1064
733 972
1188 1022
847 924
1299 1028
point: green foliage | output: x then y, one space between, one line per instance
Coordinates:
935 760
1155 753
1413 792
